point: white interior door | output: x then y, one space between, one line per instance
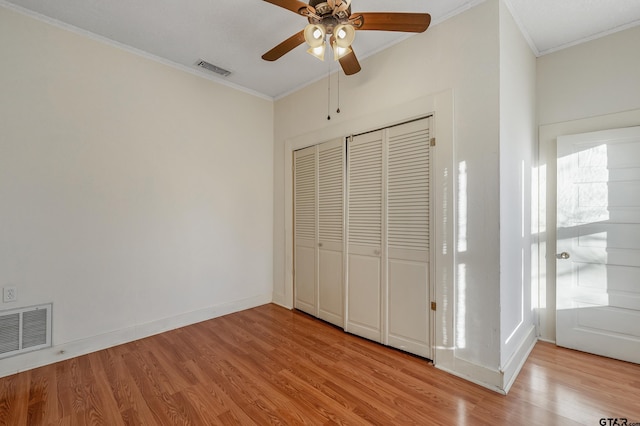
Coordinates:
331 171
305 206
408 238
598 266
365 231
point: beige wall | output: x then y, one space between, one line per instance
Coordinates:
518 143
134 196
590 87
592 79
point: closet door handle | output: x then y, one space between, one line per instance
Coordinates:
376 252
319 244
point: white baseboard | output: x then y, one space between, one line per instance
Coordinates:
517 360
80 347
446 360
479 375
280 300
497 380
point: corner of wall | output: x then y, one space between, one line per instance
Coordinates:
516 362
480 375
280 300
500 380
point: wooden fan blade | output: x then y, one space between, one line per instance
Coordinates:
390 21
284 47
350 64
293 5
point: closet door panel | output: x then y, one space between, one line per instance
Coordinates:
364 257
331 171
364 317
331 295
408 317
408 216
305 229
305 289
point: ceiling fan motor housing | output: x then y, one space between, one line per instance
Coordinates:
329 23
324 9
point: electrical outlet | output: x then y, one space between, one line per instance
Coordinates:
10 294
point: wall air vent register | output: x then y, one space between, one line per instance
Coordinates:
25 330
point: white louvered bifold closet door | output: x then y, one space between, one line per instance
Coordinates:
386 252
365 236
331 171
305 230
319 173
408 189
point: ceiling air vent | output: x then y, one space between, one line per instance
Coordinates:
213 68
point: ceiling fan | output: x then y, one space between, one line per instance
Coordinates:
333 18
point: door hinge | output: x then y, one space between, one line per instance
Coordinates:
433 141
433 306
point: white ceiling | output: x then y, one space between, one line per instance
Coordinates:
233 34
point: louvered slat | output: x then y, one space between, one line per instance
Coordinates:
365 193
305 194
330 194
408 191
9 333
34 329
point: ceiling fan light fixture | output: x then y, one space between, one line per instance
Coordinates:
318 51
340 52
344 35
314 35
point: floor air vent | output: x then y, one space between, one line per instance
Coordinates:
24 330
213 68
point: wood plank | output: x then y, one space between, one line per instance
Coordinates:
14 399
43 398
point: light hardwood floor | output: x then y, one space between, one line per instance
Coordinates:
269 365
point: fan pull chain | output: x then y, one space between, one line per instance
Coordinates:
338 110
329 93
